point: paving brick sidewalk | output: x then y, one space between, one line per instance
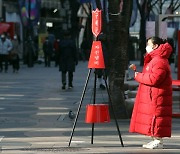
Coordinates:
34 117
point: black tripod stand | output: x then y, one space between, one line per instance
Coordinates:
94 99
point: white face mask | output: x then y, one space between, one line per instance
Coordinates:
149 49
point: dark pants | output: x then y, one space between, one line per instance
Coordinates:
56 58
70 78
15 63
101 73
3 58
47 58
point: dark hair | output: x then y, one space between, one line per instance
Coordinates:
157 40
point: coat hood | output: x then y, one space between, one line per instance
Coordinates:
164 50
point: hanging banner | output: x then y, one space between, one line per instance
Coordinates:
29 8
96 59
96 22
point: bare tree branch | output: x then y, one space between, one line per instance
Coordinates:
154 3
85 10
156 8
163 2
160 6
175 8
139 6
176 5
171 3
153 12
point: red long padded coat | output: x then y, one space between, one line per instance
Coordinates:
152 112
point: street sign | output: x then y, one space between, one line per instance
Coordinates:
96 22
96 59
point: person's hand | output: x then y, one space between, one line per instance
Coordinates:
132 67
135 74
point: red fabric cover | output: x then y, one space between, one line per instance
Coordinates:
152 113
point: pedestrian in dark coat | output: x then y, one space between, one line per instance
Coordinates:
14 54
100 72
68 59
152 112
48 50
56 52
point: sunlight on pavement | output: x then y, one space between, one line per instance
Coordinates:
11 95
52 99
53 108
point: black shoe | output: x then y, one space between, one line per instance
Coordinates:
63 87
101 86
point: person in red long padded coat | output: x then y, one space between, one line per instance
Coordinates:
152 112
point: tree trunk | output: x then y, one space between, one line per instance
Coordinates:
142 34
142 39
119 35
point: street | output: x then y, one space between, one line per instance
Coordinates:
34 116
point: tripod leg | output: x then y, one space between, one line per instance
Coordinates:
80 104
105 79
94 101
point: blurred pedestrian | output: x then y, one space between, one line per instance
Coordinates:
48 51
152 112
14 54
100 72
5 48
85 50
68 59
56 52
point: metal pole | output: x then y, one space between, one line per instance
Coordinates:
110 100
80 104
94 102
